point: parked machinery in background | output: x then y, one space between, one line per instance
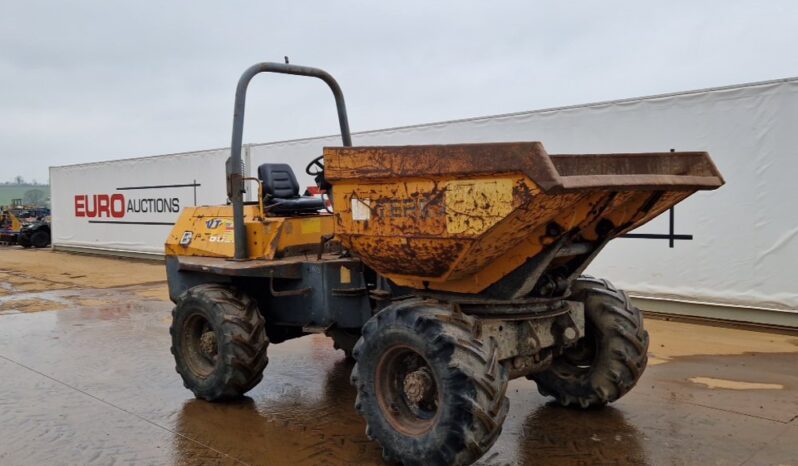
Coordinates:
26 226
35 234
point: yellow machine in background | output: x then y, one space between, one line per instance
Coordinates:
26 226
9 222
443 270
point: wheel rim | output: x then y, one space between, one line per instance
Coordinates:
200 345
407 391
581 357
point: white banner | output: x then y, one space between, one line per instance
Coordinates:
130 205
736 245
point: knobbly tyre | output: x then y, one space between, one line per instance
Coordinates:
35 234
444 270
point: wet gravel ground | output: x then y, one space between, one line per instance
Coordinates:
94 383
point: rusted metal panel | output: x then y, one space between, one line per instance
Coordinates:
434 161
289 267
473 206
552 173
285 268
681 170
459 218
639 182
427 258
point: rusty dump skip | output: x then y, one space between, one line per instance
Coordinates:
652 171
552 173
460 218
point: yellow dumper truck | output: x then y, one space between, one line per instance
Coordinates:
443 270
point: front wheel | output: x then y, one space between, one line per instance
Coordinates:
40 239
218 341
430 392
611 357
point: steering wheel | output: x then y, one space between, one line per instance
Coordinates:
316 163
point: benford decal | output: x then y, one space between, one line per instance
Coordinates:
185 240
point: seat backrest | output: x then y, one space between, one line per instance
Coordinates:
278 180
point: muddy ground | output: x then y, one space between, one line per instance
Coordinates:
86 378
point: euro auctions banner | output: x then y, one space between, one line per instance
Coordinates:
117 206
130 205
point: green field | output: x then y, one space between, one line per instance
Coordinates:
29 194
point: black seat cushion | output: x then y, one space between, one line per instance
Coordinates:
278 180
281 191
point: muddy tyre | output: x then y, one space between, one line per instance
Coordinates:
609 360
40 239
219 342
430 392
344 340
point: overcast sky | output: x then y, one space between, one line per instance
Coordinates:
98 80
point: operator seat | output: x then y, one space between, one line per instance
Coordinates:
281 191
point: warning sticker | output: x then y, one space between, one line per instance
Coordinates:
361 209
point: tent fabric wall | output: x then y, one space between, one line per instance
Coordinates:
153 191
744 235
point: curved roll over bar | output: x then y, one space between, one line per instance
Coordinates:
236 176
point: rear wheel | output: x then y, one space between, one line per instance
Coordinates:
430 392
218 341
609 360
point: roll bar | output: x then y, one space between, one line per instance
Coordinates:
236 175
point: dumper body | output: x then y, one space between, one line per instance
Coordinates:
460 218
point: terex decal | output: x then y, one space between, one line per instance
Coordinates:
116 205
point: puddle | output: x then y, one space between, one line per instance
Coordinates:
14 306
91 302
6 286
655 360
713 383
59 299
159 292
